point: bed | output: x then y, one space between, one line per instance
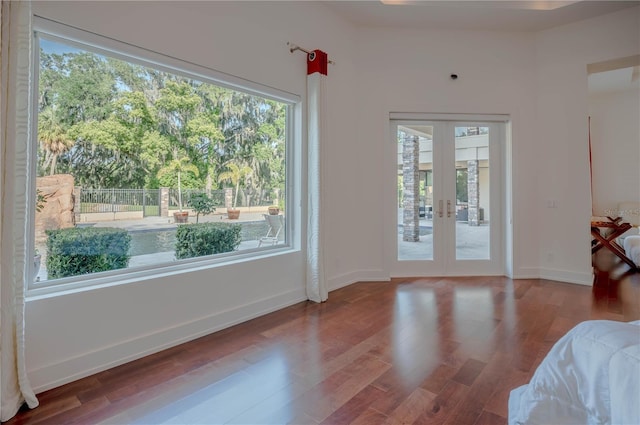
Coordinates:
630 241
590 376
632 249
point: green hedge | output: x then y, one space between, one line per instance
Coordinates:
77 251
197 240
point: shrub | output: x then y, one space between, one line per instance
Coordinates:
201 204
77 251
197 240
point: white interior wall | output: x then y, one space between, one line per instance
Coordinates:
563 54
77 334
408 71
615 149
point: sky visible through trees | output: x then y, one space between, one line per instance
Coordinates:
115 124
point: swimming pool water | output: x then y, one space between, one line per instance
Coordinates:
153 241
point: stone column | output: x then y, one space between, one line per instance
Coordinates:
164 202
411 189
58 208
473 189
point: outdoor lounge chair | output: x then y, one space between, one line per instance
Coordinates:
275 223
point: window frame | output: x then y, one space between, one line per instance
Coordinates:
110 47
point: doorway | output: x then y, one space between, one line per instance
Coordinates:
449 197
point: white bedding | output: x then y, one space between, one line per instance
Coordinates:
632 248
590 376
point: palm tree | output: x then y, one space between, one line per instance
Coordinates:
179 166
235 174
53 138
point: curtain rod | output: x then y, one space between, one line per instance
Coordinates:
294 47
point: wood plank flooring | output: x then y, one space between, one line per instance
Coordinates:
413 351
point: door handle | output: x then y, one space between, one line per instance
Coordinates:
448 208
440 209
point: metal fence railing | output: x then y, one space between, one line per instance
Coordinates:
222 198
120 200
149 200
216 195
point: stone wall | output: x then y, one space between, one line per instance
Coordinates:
411 189
57 211
473 193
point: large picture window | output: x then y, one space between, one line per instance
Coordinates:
143 165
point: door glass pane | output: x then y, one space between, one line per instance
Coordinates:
472 193
415 192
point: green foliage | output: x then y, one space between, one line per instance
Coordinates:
53 138
118 151
85 89
178 167
41 199
179 100
201 204
114 124
188 180
235 174
197 240
78 251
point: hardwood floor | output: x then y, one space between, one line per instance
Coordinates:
413 351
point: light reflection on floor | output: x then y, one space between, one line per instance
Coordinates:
266 383
415 335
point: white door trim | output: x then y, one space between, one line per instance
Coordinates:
448 266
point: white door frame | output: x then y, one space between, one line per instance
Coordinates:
444 262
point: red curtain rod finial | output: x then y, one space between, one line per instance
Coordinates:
317 61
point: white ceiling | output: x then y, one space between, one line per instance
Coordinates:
472 15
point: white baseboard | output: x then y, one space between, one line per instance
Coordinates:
567 276
347 279
54 375
526 273
554 274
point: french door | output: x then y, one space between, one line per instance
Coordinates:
449 198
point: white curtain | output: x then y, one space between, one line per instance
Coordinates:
15 48
316 283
